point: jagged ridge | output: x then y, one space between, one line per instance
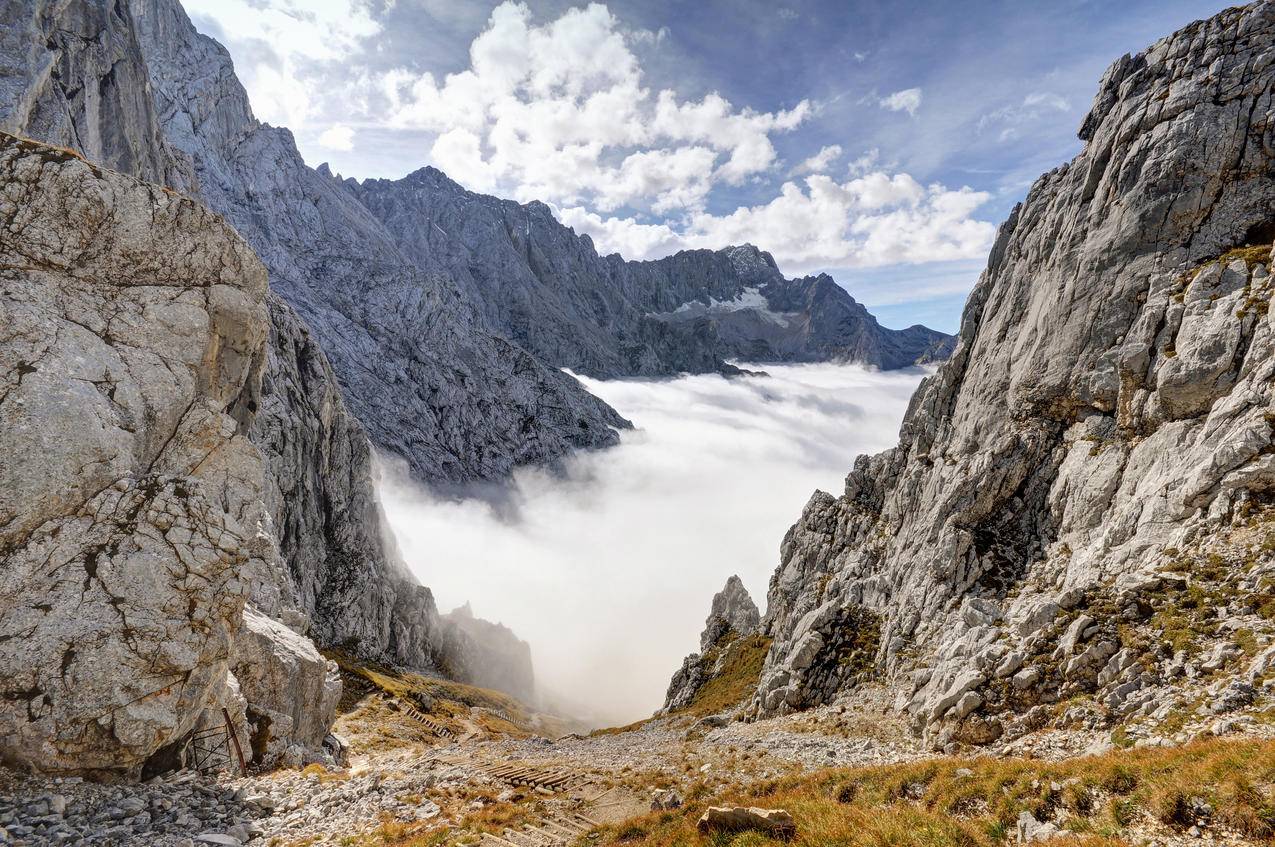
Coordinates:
546 288
1107 410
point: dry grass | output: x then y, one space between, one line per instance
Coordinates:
930 804
737 680
454 705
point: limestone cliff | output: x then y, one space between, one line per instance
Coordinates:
1077 503
84 74
536 282
132 528
498 658
416 365
727 644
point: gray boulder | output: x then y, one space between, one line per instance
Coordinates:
131 517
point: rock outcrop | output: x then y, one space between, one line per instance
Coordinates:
1099 448
132 322
733 611
497 658
732 622
538 283
344 582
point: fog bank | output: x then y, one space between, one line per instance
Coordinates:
608 571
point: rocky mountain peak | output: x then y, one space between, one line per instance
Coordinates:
733 611
1105 418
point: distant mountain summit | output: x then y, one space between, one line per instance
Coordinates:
543 286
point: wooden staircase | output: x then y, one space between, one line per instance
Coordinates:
552 779
561 830
426 721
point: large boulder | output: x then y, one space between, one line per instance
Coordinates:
132 325
292 690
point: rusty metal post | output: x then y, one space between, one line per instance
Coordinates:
234 740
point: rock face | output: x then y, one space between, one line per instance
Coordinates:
132 322
344 573
344 582
72 74
733 616
1108 411
733 611
497 658
536 282
416 366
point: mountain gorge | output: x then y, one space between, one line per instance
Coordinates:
207 345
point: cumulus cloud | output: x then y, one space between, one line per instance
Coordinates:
819 162
869 220
281 38
337 137
559 111
908 100
608 571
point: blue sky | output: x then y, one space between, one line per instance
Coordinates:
878 141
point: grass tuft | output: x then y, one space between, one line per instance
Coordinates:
949 802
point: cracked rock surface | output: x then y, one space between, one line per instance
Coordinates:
1107 415
131 520
103 79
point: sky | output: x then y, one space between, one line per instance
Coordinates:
608 570
881 142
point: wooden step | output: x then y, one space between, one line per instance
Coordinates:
490 840
570 829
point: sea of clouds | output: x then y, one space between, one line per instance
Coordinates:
607 569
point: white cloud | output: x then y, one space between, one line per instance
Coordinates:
1046 99
559 112
866 163
1008 120
279 37
908 100
819 162
337 137
648 531
867 221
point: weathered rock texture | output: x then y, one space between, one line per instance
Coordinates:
132 322
106 78
72 74
538 283
733 616
417 367
292 691
1108 409
733 610
345 574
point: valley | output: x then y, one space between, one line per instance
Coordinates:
380 512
